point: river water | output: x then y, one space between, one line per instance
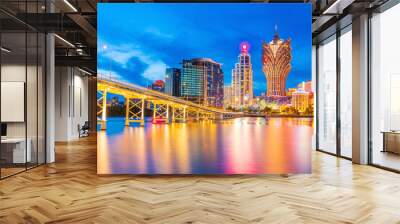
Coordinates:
237 146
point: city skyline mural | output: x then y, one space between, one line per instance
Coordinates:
183 85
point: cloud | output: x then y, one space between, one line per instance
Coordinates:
122 54
158 33
118 54
155 71
111 75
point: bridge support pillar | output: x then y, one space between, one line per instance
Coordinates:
160 112
173 113
103 122
178 114
154 112
184 114
142 114
134 111
167 117
127 111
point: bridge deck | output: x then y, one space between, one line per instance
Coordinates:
132 90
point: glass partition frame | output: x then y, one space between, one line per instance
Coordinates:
337 149
30 56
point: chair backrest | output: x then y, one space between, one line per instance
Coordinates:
86 125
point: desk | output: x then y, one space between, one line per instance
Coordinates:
391 141
19 155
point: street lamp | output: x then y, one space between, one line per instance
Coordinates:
105 47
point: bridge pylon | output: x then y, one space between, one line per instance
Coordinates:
178 113
102 108
160 112
134 111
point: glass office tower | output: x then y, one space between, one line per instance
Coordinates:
172 81
202 81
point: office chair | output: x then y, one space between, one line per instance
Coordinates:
84 130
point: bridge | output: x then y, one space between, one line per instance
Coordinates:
165 108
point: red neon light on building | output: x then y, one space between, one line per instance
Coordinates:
244 47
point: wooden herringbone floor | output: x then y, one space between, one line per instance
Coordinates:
69 191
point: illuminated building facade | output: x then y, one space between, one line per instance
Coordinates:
242 78
301 101
172 81
114 101
202 81
307 86
276 58
290 91
302 98
158 85
227 96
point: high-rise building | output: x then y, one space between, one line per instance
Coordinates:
202 81
242 78
290 91
307 86
227 96
172 81
158 85
114 101
276 58
302 98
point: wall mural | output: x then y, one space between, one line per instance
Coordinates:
204 88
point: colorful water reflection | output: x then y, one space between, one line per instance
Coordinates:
237 146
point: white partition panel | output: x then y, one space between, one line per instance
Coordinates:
12 101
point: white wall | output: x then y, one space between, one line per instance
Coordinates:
71 102
12 73
33 127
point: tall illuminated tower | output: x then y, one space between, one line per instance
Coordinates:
242 78
276 58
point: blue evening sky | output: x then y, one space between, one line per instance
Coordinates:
144 39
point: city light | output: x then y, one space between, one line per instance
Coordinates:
244 47
276 59
195 100
242 78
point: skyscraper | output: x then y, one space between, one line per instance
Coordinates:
276 58
301 100
158 85
202 81
227 96
242 78
172 81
